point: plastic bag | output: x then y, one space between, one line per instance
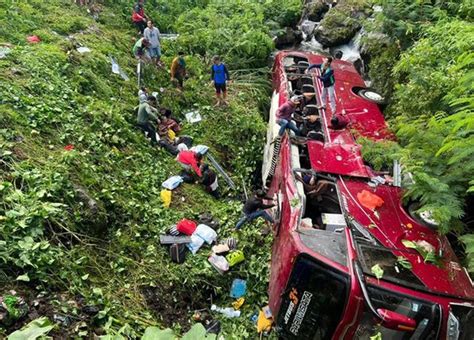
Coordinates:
369 200
172 182
166 197
196 244
206 233
171 134
186 227
219 263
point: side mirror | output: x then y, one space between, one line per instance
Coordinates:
397 321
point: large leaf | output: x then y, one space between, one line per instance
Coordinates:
154 333
33 330
198 332
377 271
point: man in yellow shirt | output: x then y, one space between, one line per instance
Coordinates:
178 70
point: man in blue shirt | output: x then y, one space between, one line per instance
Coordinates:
327 77
219 77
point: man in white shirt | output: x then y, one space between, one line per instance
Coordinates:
152 34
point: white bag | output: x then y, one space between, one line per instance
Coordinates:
196 243
206 233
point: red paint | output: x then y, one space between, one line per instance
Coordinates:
388 223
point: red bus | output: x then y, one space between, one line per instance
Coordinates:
344 267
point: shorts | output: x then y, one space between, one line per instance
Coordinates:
220 88
154 52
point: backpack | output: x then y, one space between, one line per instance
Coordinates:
178 252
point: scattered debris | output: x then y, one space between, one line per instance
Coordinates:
377 271
178 253
235 257
264 324
220 249
165 196
170 239
186 226
33 39
238 289
193 116
369 200
117 70
219 263
4 51
172 182
229 312
238 303
83 49
205 232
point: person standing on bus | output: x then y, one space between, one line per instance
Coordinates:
327 77
255 208
219 77
284 113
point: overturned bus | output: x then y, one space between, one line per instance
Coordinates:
349 259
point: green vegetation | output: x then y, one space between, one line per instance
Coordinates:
81 213
422 59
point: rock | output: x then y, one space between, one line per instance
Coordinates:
314 10
341 24
288 37
94 212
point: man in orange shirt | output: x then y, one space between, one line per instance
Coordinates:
178 70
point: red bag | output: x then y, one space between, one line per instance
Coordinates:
186 227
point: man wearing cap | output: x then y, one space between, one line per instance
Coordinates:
327 78
284 113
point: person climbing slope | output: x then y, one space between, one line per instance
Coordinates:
178 70
219 78
139 49
152 34
139 18
190 160
147 118
254 208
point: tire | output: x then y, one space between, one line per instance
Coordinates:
371 96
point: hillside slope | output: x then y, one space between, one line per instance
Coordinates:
80 185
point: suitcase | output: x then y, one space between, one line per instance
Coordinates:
178 253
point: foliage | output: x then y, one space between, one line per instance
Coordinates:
33 330
80 186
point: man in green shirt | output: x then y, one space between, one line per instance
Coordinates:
147 118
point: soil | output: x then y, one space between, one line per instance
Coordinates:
41 305
177 306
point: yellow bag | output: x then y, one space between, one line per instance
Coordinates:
263 324
166 197
171 134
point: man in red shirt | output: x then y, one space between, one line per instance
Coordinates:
284 113
138 16
190 160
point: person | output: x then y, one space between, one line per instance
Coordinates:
313 186
209 180
284 113
219 77
142 94
190 160
327 77
139 49
147 118
178 70
254 208
310 123
339 122
167 123
139 18
152 34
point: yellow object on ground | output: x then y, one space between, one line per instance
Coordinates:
263 324
238 303
166 197
171 134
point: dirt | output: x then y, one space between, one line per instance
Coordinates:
177 306
48 305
